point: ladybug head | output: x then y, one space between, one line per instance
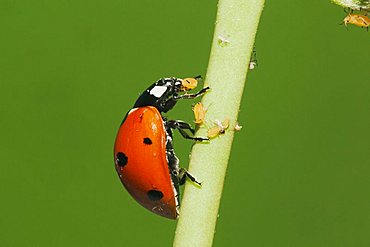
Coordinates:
164 93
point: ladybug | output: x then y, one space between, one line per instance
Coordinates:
144 156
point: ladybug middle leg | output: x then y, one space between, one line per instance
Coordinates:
179 174
181 127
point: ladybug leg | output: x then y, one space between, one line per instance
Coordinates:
183 174
191 96
181 127
178 124
170 103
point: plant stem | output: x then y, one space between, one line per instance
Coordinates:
235 30
353 4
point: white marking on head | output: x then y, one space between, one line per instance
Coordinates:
158 91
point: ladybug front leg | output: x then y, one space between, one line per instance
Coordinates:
183 174
170 103
191 96
181 127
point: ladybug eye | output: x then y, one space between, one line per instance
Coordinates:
175 173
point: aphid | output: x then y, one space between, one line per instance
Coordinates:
219 128
237 127
222 41
253 61
199 113
252 65
356 19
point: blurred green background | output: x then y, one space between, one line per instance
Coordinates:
299 173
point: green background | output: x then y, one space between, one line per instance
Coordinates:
299 172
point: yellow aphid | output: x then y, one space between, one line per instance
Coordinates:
189 84
218 129
199 113
225 124
358 20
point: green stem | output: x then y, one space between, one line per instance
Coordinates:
354 4
235 30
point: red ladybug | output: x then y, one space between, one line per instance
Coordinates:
144 156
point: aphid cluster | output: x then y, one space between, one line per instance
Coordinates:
218 127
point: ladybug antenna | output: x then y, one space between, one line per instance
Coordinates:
199 78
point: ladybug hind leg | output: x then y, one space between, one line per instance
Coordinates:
173 165
178 174
183 174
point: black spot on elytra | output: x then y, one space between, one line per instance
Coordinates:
155 195
121 159
147 140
